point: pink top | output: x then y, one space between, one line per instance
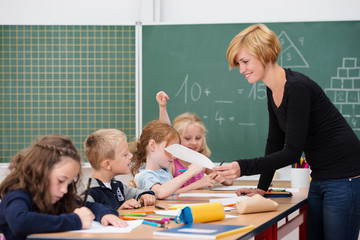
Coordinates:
178 166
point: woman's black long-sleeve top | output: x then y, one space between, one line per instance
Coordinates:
306 121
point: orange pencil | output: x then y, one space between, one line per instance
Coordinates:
229 205
143 212
129 218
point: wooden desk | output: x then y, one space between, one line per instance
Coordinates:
265 223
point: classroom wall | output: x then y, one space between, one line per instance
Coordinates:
188 11
110 12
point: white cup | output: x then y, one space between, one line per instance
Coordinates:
300 177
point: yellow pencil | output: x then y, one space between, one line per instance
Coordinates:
177 207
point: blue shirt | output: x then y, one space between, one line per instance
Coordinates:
19 219
146 179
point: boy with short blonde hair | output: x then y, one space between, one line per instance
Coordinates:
107 152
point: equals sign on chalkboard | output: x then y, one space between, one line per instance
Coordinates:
240 91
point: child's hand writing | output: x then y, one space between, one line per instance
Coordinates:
147 199
111 219
161 98
131 203
86 216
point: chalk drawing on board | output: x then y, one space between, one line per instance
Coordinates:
193 91
344 91
246 124
219 118
290 56
223 101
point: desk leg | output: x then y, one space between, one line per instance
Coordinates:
268 234
302 227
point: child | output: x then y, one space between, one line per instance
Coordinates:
108 153
155 137
192 133
39 194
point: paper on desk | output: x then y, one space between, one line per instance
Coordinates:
171 213
292 189
97 227
188 155
230 188
235 187
227 201
223 195
182 205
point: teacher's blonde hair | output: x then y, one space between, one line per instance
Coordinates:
259 41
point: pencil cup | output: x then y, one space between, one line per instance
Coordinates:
201 213
300 177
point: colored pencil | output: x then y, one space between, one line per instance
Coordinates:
144 212
128 218
229 205
159 215
132 214
158 207
87 192
155 224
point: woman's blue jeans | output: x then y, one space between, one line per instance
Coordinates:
333 209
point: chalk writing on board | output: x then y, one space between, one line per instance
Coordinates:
290 56
258 91
193 92
344 91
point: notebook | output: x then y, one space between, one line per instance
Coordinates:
203 230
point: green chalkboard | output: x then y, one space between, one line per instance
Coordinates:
189 63
70 80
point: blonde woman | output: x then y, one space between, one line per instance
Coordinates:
301 119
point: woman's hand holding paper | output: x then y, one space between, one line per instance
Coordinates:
229 171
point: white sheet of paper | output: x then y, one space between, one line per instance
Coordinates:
230 188
188 155
171 213
182 205
235 187
228 209
223 195
292 189
227 201
97 227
